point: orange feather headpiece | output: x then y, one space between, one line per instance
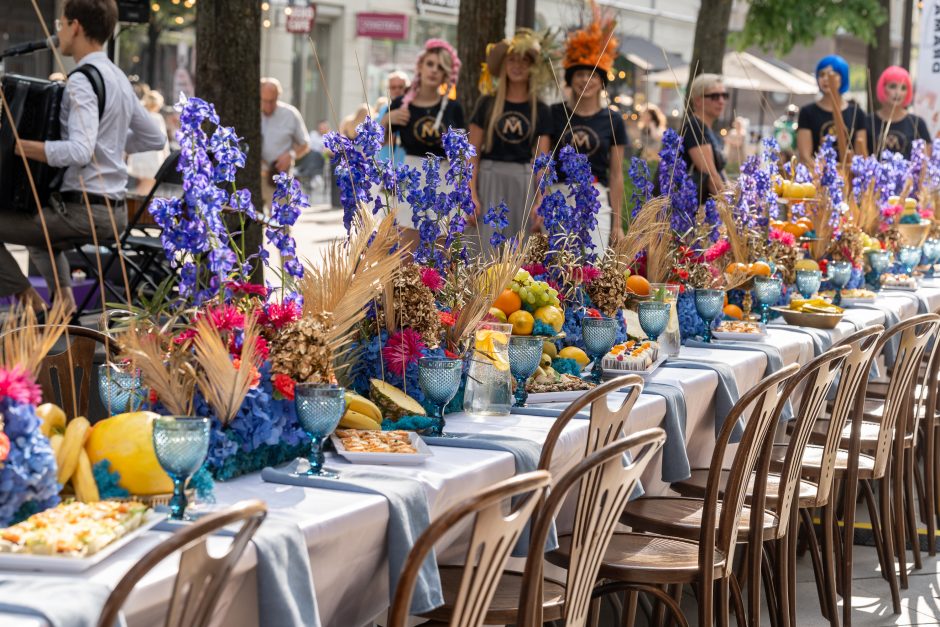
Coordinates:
592 46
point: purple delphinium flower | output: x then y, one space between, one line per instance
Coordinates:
827 169
674 181
642 184
497 218
583 220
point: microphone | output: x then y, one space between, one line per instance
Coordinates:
31 46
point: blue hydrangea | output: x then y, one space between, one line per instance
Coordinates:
690 324
28 475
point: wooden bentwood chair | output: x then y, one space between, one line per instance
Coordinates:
71 391
201 578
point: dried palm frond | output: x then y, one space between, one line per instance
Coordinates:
659 251
169 373
223 382
349 274
644 229
26 343
735 232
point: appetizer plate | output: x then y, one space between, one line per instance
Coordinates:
567 396
900 288
69 564
806 319
386 459
613 373
848 302
742 337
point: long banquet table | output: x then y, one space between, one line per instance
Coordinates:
346 532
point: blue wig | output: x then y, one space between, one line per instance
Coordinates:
838 65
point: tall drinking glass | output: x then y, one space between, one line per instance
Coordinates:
879 260
439 378
931 255
669 340
654 317
767 290
119 387
600 335
708 304
808 282
181 444
909 257
840 273
525 353
489 382
320 407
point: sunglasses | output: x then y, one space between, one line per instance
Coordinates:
723 95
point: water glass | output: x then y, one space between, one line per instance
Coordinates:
669 340
709 304
840 273
808 282
525 354
654 317
439 378
320 406
879 260
909 257
931 254
119 388
767 291
489 382
599 335
181 444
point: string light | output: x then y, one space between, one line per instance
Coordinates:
622 75
288 10
178 20
155 7
266 23
265 6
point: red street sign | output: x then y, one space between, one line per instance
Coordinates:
382 25
300 20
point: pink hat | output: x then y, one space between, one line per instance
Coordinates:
429 46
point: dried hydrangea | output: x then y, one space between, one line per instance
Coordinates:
301 350
415 306
608 291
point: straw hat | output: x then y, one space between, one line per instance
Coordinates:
526 42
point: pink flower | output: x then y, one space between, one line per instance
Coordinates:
925 213
245 287
535 269
277 315
17 384
226 317
432 279
716 250
785 238
283 385
402 349
555 286
585 274
447 319
890 211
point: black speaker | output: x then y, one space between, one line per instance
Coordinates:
135 11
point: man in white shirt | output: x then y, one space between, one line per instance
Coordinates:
92 152
283 135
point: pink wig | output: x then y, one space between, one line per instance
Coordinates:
895 74
433 45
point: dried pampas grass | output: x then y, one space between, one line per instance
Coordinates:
171 374
24 342
223 383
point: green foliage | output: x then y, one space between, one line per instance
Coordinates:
779 25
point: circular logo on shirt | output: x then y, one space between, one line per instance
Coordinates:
895 141
424 131
512 127
584 140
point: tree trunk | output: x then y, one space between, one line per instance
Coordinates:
480 22
879 54
906 34
711 35
228 74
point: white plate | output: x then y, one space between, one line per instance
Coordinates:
848 302
69 564
613 373
386 459
900 288
742 337
554 397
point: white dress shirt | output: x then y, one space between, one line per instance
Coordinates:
125 127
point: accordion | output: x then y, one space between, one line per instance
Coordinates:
34 106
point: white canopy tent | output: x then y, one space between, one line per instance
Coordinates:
743 70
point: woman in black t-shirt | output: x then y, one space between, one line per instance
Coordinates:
816 120
892 127
703 152
423 115
508 126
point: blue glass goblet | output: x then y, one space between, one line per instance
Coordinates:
909 257
439 378
879 260
119 388
320 406
708 304
931 255
654 318
181 444
600 335
840 272
525 354
767 291
808 282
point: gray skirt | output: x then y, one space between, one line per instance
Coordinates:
512 183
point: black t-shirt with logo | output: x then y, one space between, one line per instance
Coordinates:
900 135
592 135
820 122
513 138
419 137
696 134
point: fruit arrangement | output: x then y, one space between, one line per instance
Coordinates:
527 301
758 268
814 305
533 294
791 190
126 441
68 445
361 413
801 227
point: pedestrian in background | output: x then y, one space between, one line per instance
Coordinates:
892 127
816 119
652 125
284 136
703 149
144 165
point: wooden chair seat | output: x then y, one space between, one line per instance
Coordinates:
504 608
644 558
682 517
812 460
696 484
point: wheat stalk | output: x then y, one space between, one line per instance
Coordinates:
26 343
169 373
224 384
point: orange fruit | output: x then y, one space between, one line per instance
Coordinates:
806 223
733 311
638 285
759 268
777 224
796 229
508 302
736 267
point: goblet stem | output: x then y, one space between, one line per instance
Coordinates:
764 313
521 394
837 299
597 370
437 429
178 501
707 336
316 459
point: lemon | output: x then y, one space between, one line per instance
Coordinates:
491 346
552 316
806 264
575 353
550 349
522 322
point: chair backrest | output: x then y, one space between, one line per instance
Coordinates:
604 485
493 536
200 578
765 402
914 335
605 425
924 402
166 174
818 376
66 377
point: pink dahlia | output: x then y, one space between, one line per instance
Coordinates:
277 315
432 279
716 250
585 274
18 385
535 269
226 317
403 349
246 287
784 237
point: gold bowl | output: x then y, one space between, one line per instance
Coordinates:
807 319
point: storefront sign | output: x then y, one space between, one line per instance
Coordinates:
301 18
927 91
451 7
382 25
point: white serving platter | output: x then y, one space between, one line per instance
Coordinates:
613 373
848 302
386 459
742 337
71 564
535 398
